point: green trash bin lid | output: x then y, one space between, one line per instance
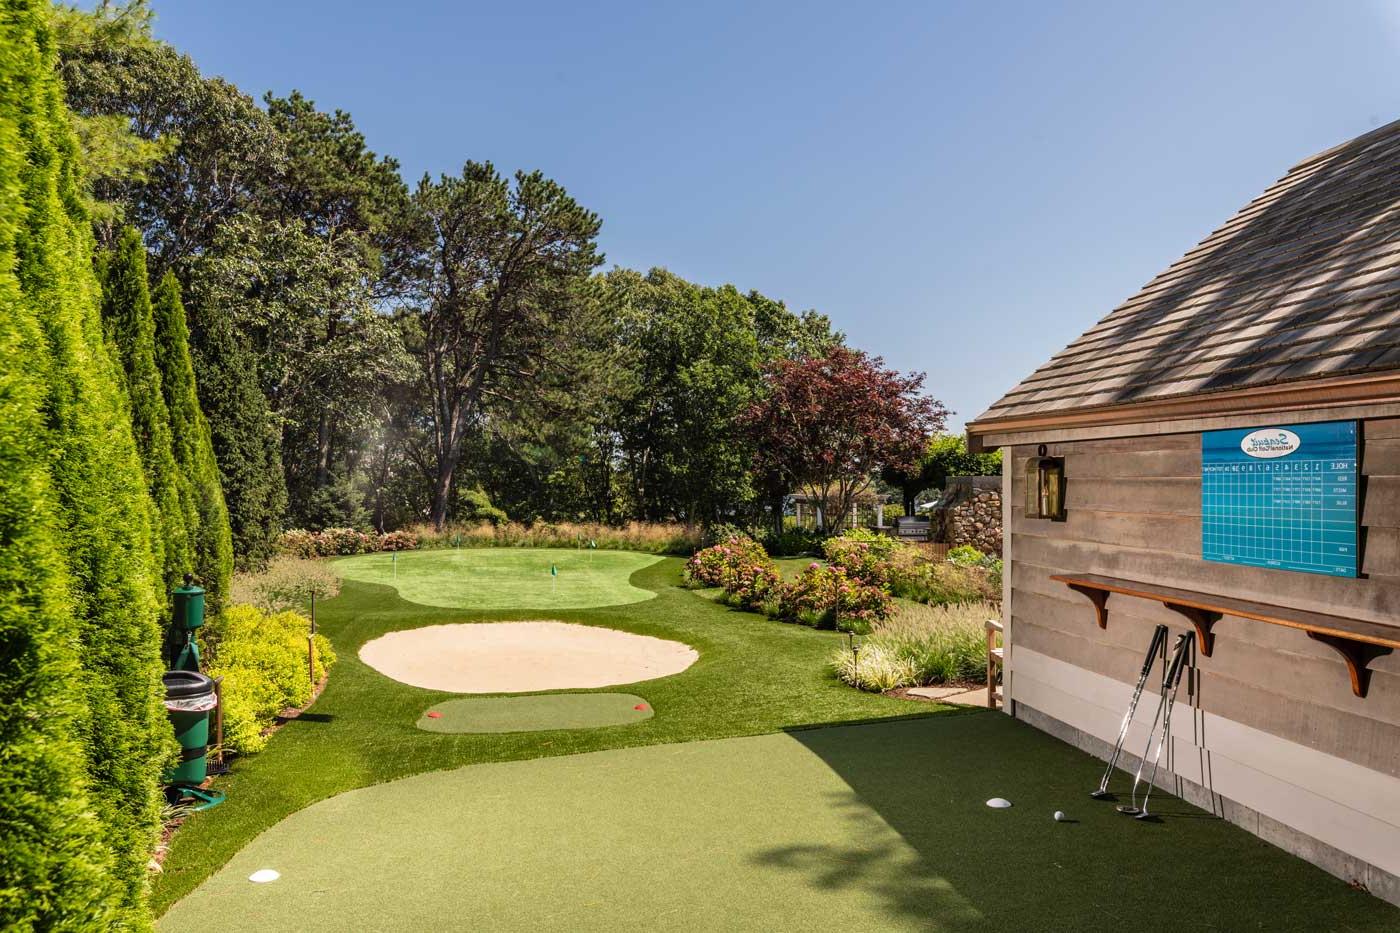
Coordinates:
185 685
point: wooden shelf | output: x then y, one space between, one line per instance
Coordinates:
1359 643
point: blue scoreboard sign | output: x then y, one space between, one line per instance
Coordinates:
1282 497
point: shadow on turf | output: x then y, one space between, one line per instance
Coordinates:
976 868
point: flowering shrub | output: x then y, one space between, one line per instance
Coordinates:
398 541
706 567
828 597
750 581
864 555
334 542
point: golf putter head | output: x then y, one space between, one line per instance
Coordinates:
1103 795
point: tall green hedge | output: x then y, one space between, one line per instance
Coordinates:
131 333
194 452
245 437
55 871
102 513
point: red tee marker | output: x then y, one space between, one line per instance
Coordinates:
434 715
640 706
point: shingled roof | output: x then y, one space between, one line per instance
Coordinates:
1302 283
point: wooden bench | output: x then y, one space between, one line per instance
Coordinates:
1359 643
995 660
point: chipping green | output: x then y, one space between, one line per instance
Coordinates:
535 713
869 827
505 578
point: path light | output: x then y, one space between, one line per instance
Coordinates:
854 643
1045 487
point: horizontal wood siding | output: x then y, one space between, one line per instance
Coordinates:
1134 511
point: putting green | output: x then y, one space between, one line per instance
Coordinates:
536 713
870 827
505 578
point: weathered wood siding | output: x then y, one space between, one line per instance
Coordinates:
1133 511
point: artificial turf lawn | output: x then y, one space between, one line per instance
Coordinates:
869 827
535 713
753 676
505 578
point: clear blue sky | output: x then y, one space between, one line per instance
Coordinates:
963 187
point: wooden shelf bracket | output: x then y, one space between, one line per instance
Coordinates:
1203 619
1100 600
1357 654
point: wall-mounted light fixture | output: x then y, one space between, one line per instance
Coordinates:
1045 487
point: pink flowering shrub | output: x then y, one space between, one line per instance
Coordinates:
398 541
706 567
829 597
750 581
336 542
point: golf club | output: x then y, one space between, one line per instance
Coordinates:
1158 646
1164 713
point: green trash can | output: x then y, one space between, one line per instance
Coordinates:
189 699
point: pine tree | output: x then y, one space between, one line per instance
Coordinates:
130 328
57 871
210 537
245 440
103 512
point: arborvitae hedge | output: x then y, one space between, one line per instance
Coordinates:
194 451
130 329
245 439
54 866
103 512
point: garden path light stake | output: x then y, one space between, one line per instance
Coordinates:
1180 653
1158 646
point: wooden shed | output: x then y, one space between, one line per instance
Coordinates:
1221 453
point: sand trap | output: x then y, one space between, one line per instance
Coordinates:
521 657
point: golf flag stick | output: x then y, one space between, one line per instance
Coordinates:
1158 646
1180 652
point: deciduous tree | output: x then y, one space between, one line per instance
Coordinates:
827 423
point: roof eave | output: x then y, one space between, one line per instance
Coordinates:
1312 393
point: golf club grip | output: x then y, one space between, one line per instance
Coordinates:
1179 658
1159 636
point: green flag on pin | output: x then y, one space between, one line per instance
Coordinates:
554 570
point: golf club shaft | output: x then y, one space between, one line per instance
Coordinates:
1159 641
1184 644
1177 650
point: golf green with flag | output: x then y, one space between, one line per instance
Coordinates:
505 578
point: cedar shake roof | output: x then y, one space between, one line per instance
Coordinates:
1304 282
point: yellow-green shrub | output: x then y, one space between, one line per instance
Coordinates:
262 660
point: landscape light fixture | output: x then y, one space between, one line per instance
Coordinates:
1045 487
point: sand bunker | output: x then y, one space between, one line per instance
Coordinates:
521 657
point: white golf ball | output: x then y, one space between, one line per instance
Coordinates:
264 875
1059 815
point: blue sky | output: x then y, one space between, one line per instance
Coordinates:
963 187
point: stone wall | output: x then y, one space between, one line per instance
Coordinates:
972 513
